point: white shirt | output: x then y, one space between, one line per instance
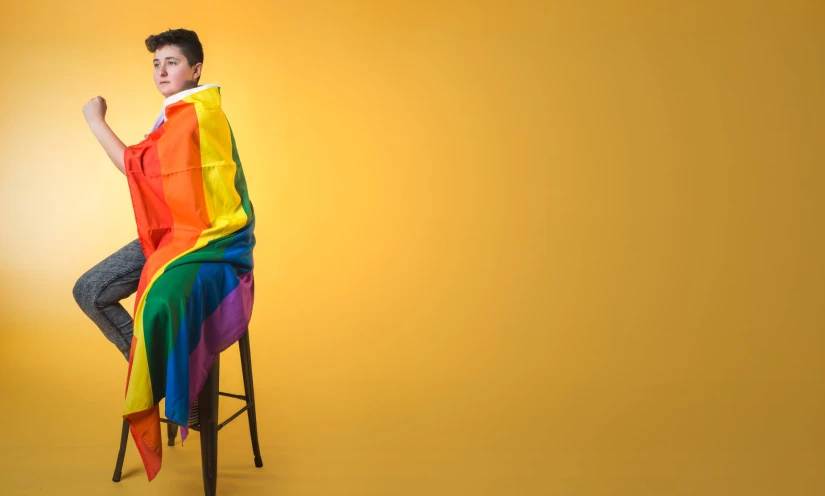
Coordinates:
174 98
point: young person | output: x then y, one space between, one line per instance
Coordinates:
178 64
194 283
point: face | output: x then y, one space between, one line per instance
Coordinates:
172 71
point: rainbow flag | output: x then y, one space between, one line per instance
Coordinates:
196 227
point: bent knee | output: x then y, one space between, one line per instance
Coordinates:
83 292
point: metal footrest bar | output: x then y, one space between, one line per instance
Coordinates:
222 424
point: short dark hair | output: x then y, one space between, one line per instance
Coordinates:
187 41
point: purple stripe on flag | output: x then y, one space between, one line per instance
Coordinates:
220 330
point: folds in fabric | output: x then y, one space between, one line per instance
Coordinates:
196 224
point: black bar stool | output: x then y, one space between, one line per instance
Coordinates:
208 425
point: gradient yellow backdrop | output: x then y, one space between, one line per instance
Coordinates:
568 248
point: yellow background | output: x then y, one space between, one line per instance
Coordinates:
560 248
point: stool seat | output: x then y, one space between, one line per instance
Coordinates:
207 423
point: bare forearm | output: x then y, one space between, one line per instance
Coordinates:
110 142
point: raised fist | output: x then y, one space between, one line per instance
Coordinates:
95 109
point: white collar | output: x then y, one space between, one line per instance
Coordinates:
174 98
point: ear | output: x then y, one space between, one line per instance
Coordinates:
198 68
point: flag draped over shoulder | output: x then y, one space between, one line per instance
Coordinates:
196 227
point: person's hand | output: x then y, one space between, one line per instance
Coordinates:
95 109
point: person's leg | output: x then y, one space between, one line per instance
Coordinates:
98 293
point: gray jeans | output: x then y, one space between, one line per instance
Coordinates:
98 293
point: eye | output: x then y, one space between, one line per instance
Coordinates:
172 62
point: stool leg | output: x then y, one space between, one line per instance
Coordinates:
249 392
171 433
208 410
124 436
